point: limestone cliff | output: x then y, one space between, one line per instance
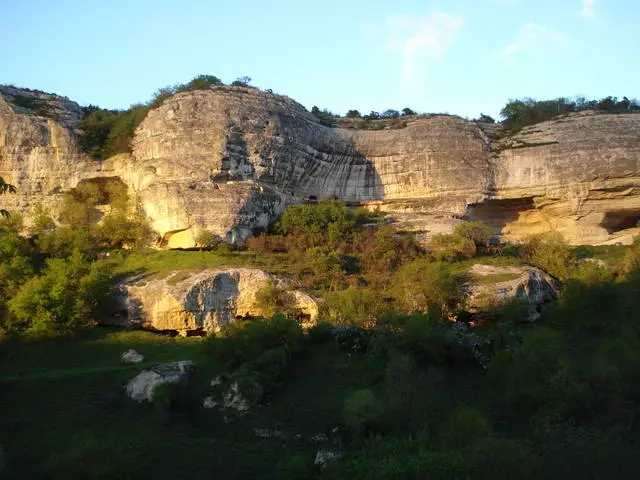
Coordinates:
206 300
229 159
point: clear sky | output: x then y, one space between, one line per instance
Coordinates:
458 56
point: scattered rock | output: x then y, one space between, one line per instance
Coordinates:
141 388
241 396
325 456
131 356
266 433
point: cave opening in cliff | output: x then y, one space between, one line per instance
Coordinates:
498 213
617 221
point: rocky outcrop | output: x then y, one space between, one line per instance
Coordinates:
203 301
142 387
491 286
578 175
229 159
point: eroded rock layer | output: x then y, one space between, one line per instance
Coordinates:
207 300
228 160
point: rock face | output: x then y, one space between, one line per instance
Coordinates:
206 300
491 286
229 159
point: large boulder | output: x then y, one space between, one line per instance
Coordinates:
490 286
186 301
141 388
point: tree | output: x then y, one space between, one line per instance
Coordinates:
477 232
407 112
421 285
205 239
4 188
451 247
549 252
60 301
241 81
390 114
353 114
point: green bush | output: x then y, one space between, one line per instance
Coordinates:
352 306
272 300
244 343
328 216
60 301
421 285
361 411
549 252
477 232
295 467
464 427
447 248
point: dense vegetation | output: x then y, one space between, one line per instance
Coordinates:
386 377
108 132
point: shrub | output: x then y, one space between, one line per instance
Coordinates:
320 333
244 343
272 300
550 253
295 467
450 247
421 285
327 266
64 241
361 410
464 427
352 306
477 232
205 239
328 216
60 301
118 230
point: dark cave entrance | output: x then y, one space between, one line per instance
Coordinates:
617 221
499 213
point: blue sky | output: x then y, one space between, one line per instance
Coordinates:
459 56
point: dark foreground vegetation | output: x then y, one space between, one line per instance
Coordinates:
391 378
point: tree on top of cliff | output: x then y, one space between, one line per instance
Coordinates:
4 188
241 81
520 113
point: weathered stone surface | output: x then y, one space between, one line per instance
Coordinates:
131 356
229 159
141 388
205 300
578 175
491 286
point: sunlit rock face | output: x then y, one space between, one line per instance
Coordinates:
38 154
203 301
579 175
491 286
230 159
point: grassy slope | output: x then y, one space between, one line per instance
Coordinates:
65 414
